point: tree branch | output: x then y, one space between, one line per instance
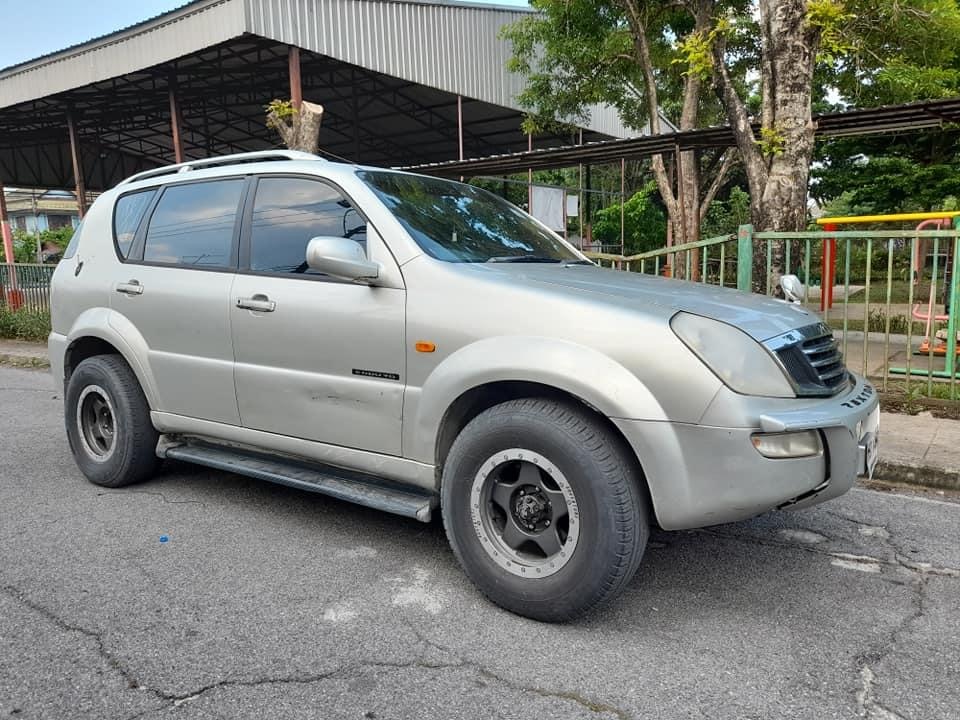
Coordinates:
729 160
753 162
642 51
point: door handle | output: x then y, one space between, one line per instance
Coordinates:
132 287
257 303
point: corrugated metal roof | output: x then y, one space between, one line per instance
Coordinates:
451 46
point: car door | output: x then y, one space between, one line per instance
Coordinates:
316 357
174 288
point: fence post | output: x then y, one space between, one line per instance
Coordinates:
953 312
745 258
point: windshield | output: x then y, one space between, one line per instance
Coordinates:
461 223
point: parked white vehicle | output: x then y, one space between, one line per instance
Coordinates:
410 343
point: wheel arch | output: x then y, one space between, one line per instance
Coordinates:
499 369
483 397
100 331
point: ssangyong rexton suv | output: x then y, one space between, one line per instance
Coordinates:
411 343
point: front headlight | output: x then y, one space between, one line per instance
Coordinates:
736 358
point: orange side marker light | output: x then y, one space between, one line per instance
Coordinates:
423 346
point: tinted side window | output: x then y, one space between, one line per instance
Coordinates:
193 224
127 216
288 212
71 248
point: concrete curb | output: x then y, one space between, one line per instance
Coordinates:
919 475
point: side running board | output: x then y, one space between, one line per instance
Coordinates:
336 482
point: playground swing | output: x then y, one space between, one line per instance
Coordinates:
934 340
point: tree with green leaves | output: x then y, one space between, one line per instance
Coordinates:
576 53
644 222
918 60
756 65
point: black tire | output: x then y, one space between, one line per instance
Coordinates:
108 423
611 511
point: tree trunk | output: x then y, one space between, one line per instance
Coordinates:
778 163
301 131
685 207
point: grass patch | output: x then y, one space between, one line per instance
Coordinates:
899 292
877 322
24 325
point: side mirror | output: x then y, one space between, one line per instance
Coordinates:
341 258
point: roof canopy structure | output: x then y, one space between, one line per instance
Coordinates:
898 118
392 76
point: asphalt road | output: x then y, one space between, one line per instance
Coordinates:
267 602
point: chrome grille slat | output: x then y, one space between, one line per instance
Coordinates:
833 373
824 362
811 357
810 348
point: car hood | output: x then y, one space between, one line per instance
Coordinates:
759 316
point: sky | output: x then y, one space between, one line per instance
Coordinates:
31 29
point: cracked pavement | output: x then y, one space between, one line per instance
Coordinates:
269 602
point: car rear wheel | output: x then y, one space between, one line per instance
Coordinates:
108 423
544 508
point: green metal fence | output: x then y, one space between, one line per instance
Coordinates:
885 283
25 286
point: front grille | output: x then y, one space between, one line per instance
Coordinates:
812 358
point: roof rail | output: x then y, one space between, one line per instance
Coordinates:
236 159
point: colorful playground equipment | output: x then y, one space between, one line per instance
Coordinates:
941 341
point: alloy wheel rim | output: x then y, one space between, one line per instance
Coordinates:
96 421
525 513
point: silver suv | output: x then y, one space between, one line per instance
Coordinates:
410 343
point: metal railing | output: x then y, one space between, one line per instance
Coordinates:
893 304
25 286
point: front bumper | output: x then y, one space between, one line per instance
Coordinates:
705 475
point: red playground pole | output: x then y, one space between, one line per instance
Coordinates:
828 269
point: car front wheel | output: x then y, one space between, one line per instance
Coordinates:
544 508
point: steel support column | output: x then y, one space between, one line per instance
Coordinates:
460 124
623 202
296 86
175 122
529 177
7 246
77 165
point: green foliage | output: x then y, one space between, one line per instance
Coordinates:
24 324
877 322
725 216
25 244
903 81
644 222
889 174
832 19
695 54
24 248
898 51
771 142
279 112
575 53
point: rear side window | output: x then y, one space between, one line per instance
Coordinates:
288 212
127 215
193 224
71 248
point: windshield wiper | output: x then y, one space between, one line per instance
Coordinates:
523 259
577 262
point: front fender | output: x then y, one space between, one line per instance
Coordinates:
112 327
575 369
